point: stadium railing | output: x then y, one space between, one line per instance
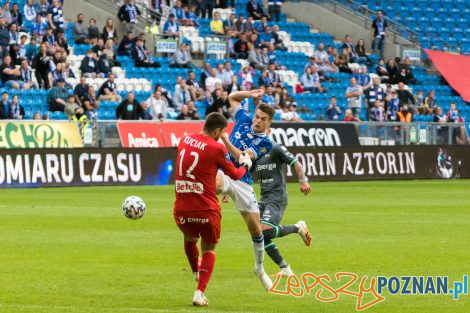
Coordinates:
369 133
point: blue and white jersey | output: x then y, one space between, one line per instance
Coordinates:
243 137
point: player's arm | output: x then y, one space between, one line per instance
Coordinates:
291 160
303 180
236 98
228 167
234 151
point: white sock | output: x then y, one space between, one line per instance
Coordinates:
258 250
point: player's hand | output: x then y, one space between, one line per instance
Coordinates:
257 93
225 198
305 188
245 161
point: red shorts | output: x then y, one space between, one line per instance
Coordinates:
204 224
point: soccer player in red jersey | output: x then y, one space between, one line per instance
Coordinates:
197 208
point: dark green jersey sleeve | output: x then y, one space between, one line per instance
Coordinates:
284 155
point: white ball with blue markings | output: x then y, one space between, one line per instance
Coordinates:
133 207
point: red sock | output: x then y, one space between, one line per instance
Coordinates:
205 272
192 252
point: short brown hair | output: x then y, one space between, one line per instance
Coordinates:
213 121
266 108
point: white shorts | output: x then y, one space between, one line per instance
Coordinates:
242 194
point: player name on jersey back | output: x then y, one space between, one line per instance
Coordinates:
194 143
184 186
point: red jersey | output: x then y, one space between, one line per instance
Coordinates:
199 159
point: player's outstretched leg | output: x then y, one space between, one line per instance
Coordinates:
252 221
271 249
284 230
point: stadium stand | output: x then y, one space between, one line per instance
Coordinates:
299 45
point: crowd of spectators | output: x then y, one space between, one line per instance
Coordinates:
38 59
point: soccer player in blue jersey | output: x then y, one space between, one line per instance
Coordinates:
248 140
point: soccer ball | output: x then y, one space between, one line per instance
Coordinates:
133 207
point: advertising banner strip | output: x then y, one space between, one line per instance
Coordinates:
39 134
168 134
137 166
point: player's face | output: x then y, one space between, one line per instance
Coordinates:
261 121
219 132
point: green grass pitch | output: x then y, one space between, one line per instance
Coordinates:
71 249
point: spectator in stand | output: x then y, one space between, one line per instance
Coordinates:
26 75
353 56
181 96
129 109
234 86
254 59
5 13
31 50
269 97
11 76
42 10
70 106
41 63
310 80
253 42
459 133
4 37
171 28
361 51
263 80
58 96
16 17
265 38
393 107
354 97
255 10
419 98
289 114
229 26
274 9
342 61
430 102
373 94
241 47
36 116
260 25
81 90
29 11
140 55
93 32
49 40
221 105
379 34
212 80
38 29
127 45
273 76
392 70
109 31
216 25
91 104
195 89
55 16
377 112
188 112
405 96
277 41
158 106
61 43
180 15
128 15
246 75
108 91
207 8
98 47
16 111
14 35
410 78
182 57
349 117
383 72
405 115
333 111
89 65
363 78
104 63
322 60
4 106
